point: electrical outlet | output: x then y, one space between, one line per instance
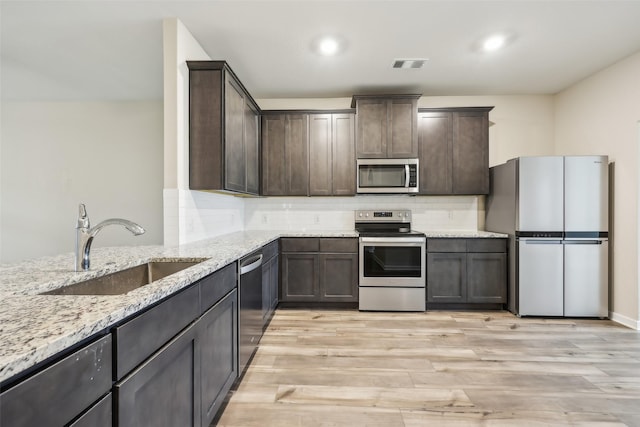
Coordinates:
264 218
450 214
316 219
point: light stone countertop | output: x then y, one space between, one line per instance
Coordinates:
35 327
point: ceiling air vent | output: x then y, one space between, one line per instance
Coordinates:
409 63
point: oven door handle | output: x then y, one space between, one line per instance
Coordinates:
401 240
407 176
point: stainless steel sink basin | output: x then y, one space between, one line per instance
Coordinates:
124 281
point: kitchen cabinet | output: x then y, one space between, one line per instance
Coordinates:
453 149
331 155
218 335
59 393
165 389
467 271
386 126
308 154
285 154
185 355
223 130
269 281
319 270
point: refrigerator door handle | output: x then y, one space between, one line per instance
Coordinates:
542 242
582 242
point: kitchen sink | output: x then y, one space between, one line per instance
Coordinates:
124 281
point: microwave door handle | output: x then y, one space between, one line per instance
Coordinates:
407 174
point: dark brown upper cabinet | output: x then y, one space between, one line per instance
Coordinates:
331 155
308 154
386 126
285 154
454 150
224 150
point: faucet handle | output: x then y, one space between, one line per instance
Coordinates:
83 219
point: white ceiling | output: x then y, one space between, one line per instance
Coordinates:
107 50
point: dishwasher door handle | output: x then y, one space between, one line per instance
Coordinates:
250 264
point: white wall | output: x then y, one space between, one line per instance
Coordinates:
55 155
600 115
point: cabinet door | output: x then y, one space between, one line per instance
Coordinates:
487 277
344 155
273 155
300 277
402 139
470 153
252 148
218 339
371 130
339 277
100 415
274 281
435 139
205 129
446 277
165 390
297 154
320 155
269 288
266 291
234 155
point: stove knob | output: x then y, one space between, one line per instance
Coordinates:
360 214
367 214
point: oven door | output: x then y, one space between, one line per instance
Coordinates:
392 261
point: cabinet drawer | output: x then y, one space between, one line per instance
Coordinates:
446 245
487 245
217 285
59 393
339 245
270 250
142 336
100 415
297 244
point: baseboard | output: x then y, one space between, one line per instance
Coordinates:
625 321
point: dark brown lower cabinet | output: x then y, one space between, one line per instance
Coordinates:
339 277
58 394
319 270
100 414
466 271
218 337
300 277
269 281
446 277
486 278
165 389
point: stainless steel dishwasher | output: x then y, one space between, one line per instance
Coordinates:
250 294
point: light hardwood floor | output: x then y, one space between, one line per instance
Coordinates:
439 368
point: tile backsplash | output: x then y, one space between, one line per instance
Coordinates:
194 215
336 213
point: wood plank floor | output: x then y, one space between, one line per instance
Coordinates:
439 368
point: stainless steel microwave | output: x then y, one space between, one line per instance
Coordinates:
387 176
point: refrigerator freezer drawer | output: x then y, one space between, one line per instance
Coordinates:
586 278
540 277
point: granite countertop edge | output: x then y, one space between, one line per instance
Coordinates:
35 327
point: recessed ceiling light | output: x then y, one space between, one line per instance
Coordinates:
494 43
409 63
328 46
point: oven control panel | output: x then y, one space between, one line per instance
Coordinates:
403 215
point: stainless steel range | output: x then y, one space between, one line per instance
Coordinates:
392 262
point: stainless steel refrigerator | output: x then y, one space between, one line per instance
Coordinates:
556 212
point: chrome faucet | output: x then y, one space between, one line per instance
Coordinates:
85 235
